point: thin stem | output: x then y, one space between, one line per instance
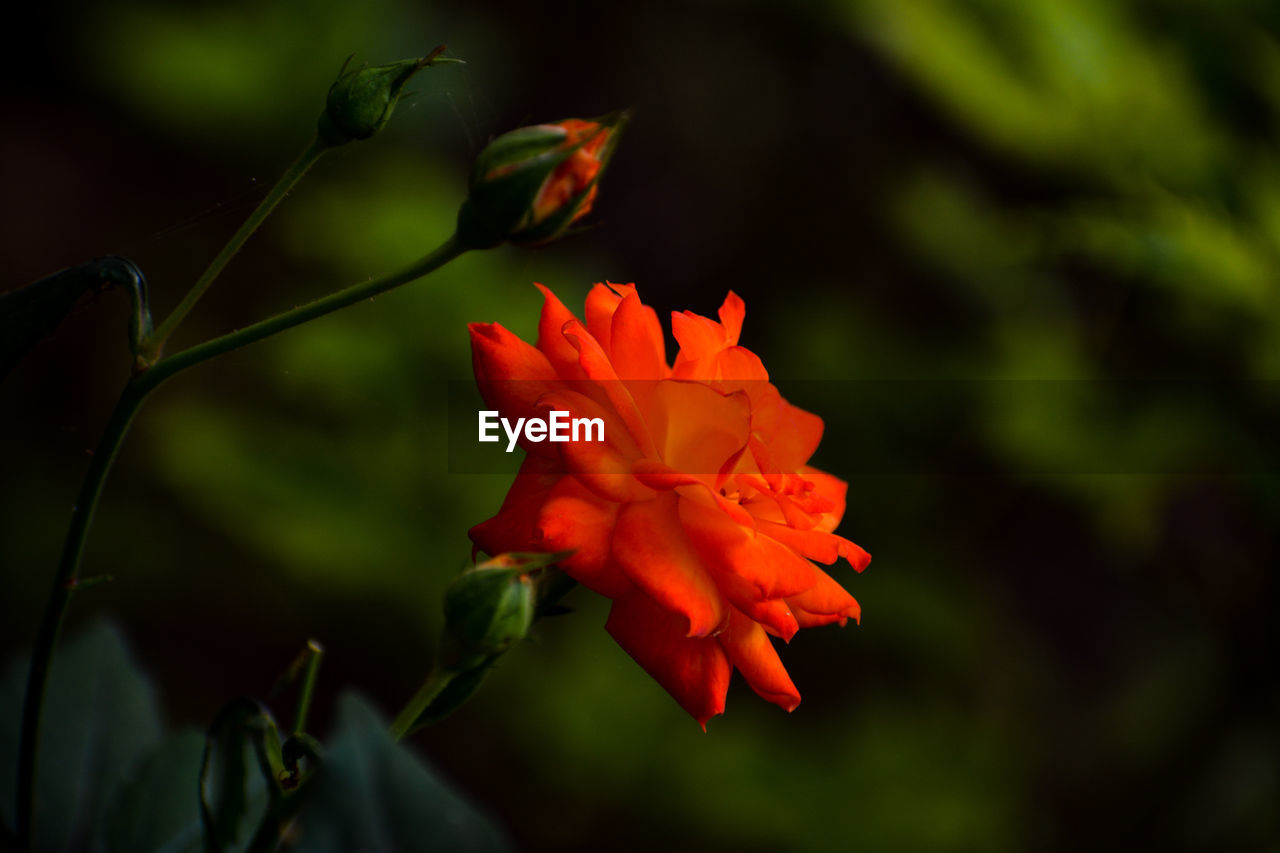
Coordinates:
165 368
314 654
435 684
156 341
137 389
64 583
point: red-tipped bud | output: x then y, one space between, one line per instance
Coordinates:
528 186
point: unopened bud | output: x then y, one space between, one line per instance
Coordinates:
360 102
528 186
487 609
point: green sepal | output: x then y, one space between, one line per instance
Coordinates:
498 207
516 146
487 609
553 226
243 726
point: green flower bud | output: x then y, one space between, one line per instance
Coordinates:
528 186
487 609
360 102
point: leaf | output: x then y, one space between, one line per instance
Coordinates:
156 810
100 718
230 802
31 313
372 794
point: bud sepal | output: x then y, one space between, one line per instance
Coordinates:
360 102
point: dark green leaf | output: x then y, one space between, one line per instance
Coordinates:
30 313
157 810
100 718
374 795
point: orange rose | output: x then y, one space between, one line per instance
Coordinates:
696 514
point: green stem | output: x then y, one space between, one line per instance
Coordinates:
315 653
137 389
64 583
435 684
166 367
155 342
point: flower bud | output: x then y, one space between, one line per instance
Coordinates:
360 102
528 186
487 609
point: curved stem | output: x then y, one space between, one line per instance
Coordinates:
155 341
137 389
165 368
64 583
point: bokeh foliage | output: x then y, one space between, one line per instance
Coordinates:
957 192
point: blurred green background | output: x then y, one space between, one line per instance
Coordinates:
939 194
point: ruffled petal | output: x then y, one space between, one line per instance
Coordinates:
602 466
650 547
697 429
699 338
816 544
597 367
694 670
573 518
551 340
636 345
832 491
796 436
512 529
601 303
732 312
510 374
823 603
752 653
735 553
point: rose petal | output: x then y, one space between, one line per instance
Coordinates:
751 652
731 313
573 518
636 345
512 529
700 339
595 364
698 429
796 436
510 374
833 491
733 552
601 303
551 341
650 547
694 670
823 603
816 544
602 466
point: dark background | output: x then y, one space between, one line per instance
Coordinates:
1067 636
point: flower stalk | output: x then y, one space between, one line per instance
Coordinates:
153 345
136 390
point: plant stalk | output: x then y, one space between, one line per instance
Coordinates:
154 344
131 399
